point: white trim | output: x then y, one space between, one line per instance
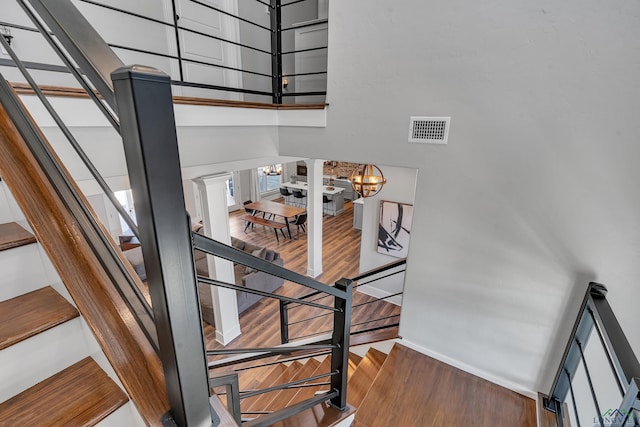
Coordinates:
230 334
472 370
313 273
82 113
379 293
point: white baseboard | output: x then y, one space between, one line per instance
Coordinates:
229 335
313 273
472 370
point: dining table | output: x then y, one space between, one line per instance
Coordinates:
277 209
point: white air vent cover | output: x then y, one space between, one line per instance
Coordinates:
429 130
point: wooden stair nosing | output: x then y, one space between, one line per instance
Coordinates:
284 396
264 399
364 375
82 394
13 235
27 315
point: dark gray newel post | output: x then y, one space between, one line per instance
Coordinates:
145 108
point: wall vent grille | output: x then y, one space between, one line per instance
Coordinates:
429 130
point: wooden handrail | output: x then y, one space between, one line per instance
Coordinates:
72 92
89 284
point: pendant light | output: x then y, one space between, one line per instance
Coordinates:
367 180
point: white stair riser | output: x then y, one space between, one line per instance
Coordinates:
9 210
125 416
21 271
37 358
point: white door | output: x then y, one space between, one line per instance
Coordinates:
311 61
204 49
233 192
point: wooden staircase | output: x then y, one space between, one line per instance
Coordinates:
80 394
362 372
403 388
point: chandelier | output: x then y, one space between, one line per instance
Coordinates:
272 170
367 180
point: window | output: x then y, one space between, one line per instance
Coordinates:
269 178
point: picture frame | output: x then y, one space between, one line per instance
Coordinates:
394 229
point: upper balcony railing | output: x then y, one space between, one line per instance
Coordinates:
256 51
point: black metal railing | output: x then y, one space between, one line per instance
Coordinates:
371 276
598 381
336 344
137 101
272 75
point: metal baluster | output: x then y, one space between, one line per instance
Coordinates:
573 400
593 392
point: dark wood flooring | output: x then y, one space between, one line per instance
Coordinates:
341 254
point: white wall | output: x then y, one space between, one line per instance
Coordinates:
534 195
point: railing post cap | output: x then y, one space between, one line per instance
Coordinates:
597 289
139 72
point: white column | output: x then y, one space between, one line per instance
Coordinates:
215 216
314 219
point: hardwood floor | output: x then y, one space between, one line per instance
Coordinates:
438 395
260 324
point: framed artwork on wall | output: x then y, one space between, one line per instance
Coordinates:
394 230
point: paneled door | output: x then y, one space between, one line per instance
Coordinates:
198 47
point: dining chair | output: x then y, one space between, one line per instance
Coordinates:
297 194
250 212
325 201
287 195
299 221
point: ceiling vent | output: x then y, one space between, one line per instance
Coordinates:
429 130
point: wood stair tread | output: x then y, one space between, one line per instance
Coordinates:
80 395
270 378
262 400
27 315
308 392
438 394
374 336
12 235
318 416
354 361
284 396
364 375
354 358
